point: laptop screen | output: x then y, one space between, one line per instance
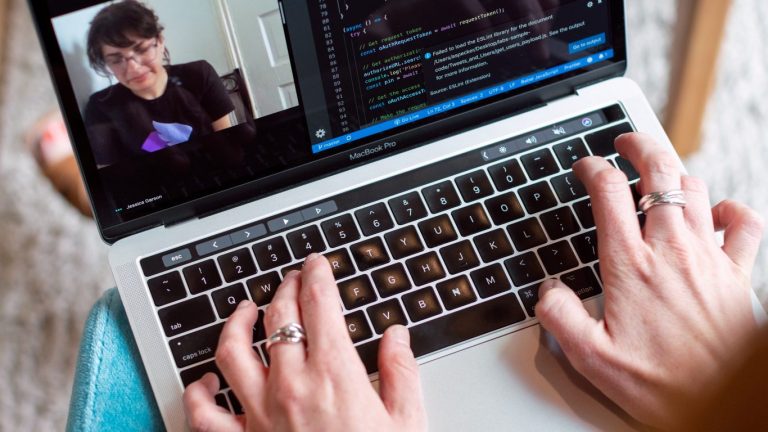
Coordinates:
180 107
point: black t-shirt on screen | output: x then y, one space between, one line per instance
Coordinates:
122 125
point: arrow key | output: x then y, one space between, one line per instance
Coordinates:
248 234
213 246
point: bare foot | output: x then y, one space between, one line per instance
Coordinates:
49 144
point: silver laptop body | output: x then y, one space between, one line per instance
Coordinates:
472 93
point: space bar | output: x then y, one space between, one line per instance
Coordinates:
452 329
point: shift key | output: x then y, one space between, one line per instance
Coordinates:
186 316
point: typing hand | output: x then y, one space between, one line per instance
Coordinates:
323 386
677 305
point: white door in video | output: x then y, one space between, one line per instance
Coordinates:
260 39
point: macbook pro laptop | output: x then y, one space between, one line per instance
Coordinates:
423 146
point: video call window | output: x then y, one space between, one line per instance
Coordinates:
155 74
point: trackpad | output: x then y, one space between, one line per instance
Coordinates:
520 381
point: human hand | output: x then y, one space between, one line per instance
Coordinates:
677 307
321 387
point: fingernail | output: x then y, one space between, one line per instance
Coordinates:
244 304
401 335
313 256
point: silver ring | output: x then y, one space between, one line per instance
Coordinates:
675 197
290 333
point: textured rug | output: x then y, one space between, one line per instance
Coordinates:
53 264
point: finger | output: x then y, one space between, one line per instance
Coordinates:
200 406
284 310
563 315
321 308
661 172
613 207
399 383
743 232
698 211
237 360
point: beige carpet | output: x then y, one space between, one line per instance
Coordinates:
53 264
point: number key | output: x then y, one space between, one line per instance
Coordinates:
441 196
306 240
237 265
271 253
474 186
202 276
507 175
340 230
374 219
408 208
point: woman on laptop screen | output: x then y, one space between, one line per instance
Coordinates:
154 105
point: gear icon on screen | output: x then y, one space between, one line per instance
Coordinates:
320 133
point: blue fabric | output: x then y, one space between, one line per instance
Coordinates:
111 390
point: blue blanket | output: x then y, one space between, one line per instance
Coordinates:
111 390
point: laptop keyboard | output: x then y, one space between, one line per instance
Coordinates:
454 258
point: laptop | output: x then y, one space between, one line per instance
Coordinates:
425 147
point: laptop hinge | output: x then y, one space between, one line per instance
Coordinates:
179 220
580 86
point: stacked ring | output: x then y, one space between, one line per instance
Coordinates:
290 333
674 197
